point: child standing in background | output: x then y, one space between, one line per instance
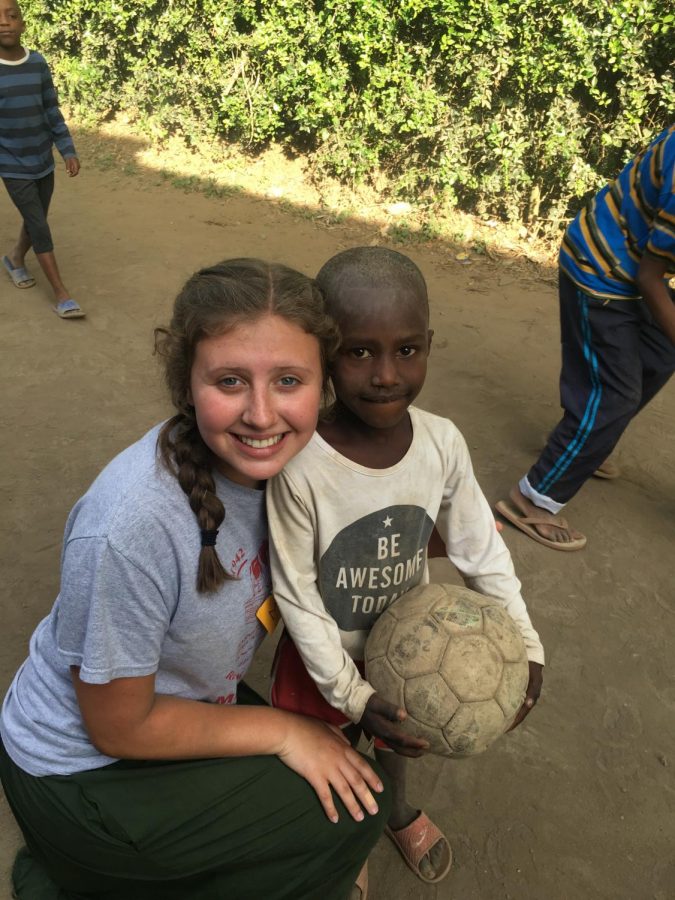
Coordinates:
30 124
350 518
617 318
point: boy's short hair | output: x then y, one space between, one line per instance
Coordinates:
372 267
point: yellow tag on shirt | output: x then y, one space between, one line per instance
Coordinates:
268 614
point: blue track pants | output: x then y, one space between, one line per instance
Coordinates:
615 358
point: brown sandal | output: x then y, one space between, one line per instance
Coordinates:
527 523
414 842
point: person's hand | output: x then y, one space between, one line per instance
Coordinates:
381 719
72 166
532 693
325 758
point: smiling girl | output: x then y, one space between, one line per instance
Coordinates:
136 761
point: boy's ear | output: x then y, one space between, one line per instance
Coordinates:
430 335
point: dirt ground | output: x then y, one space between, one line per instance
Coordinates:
580 801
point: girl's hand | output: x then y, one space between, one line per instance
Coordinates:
381 718
532 694
325 758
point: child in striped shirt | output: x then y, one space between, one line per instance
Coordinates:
30 124
618 336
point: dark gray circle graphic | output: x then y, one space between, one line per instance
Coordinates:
372 562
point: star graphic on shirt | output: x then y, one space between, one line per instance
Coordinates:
387 522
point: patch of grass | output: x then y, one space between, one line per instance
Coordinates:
187 183
338 216
432 229
212 188
105 161
402 233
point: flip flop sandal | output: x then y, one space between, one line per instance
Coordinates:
416 840
18 274
69 309
527 523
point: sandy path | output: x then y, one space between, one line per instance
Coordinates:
577 804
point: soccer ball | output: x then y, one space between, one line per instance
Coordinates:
455 661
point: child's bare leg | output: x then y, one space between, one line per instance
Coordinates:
353 733
49 267
23 244
402 813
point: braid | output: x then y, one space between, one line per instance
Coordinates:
185 454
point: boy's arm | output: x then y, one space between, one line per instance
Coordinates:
654 291
466 524
294 578
658 257
57 125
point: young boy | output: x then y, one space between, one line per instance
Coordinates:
618 336
350 519
30 123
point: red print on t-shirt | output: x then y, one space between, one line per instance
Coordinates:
238 562
224 701
260 583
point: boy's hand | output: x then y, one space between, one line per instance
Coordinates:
72 166
380 720
532 693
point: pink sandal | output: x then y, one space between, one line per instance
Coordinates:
416 840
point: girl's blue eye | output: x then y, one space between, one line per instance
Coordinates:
289 380
229 381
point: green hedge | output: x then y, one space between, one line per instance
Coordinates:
516 108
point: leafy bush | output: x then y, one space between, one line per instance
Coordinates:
515 108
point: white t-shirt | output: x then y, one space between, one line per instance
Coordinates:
346 540
128 606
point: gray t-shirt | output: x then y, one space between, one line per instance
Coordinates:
128 607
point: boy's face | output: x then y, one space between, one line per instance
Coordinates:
11 27
382 362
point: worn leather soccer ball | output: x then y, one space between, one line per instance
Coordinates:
455 661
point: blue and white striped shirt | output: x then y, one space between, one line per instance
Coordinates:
30 119
603 246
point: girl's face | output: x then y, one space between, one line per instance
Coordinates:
256 393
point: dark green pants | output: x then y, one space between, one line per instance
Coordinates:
227 829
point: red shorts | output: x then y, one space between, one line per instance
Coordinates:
294 690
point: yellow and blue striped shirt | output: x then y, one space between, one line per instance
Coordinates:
602 247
